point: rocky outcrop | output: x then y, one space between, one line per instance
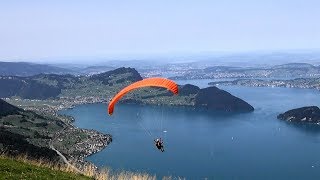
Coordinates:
214 98
309 114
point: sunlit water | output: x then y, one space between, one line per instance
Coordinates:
209 145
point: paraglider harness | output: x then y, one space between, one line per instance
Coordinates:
159 144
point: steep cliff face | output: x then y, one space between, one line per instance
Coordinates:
309 114
217 99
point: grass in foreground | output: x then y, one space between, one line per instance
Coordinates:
17 169
24 168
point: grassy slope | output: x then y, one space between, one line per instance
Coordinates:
13 169
23 168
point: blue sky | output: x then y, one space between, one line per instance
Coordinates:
32 30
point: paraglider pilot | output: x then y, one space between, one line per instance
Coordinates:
148 82
159 144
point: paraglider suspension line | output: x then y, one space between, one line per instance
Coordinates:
148 132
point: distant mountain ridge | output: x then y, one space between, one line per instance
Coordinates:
310 83
44 86
104 86
29 69
295 65
95 69
291 70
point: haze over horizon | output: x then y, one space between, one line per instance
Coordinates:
36 30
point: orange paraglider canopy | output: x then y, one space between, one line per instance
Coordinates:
148 82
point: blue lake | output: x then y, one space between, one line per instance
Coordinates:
209 145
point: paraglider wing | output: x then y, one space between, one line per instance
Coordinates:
148 82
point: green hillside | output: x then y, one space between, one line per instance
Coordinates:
13 169
20 167
71 90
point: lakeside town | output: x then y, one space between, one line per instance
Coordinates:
304 83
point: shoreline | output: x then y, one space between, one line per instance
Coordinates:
290 84
98 141
78 143
75 153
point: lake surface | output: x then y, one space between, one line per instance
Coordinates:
210 145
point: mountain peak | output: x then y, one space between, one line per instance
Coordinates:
121 74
